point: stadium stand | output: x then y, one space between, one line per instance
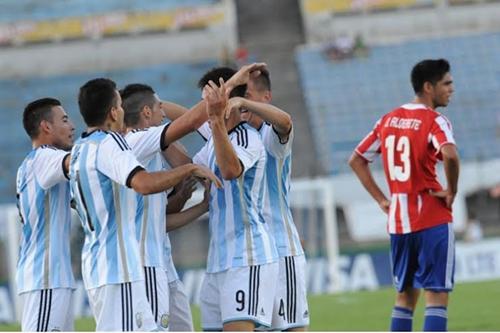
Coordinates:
345 98
41 10
173 82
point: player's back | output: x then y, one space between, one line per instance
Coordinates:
99 171
409 156
149 210
43 201
409 139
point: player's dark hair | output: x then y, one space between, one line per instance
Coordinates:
263 81
225 73
135 97
96 98
429 70
35 112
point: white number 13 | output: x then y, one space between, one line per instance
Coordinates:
396 172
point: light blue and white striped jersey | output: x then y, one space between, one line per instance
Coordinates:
44 205
147 145
102 166
238 234
276 195
170 267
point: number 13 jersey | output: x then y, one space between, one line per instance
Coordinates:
409 139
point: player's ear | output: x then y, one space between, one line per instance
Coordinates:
45 126
113 113
268 96
146 111
428 87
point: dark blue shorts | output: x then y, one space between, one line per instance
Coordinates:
424 259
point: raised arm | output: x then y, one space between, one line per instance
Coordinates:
362 170
225 155
279 119
172 110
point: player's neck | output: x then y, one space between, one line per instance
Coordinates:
41 141
425 101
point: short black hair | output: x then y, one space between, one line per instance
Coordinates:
35 112
96 98
263 81
225 73
428 70
134 97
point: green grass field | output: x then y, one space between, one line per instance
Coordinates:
473 307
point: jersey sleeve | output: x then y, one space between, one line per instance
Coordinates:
50 167
116 160
205 131
369 147
201 156
441 133
248 146
273 144
147 142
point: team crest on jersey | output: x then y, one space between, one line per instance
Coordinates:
164 320
262 313
138 319
306 314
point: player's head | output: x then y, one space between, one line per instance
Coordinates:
101 104
431 79
141 105
258 90
225 73
45 120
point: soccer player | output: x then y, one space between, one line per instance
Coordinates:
102 168
238 289
291 311
44 276
145 134
411 139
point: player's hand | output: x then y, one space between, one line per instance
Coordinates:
188 186
385 205
234 104
446 195
206 195
215 98
205 173
245 73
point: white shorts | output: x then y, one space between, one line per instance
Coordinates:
181 319
290 304
48 310
157 294
121 307
242 293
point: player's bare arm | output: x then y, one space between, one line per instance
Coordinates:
227 159
244 74
176 155
181 194
178 220
362 170
451 164
279 119
145 182
173 110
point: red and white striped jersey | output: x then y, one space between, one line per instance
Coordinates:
410 140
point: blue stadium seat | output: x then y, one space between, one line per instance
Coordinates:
345 98
173 82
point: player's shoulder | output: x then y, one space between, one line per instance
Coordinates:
245 135
114 140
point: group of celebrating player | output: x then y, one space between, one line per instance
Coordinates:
129 179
